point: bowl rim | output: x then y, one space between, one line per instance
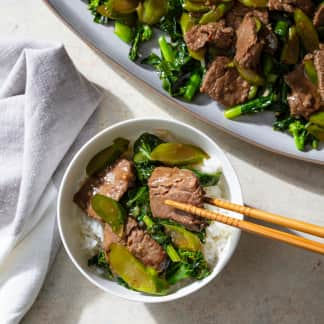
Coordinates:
149 298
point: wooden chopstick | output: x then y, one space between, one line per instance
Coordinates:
250 227
268 217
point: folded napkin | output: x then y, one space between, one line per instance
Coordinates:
44 104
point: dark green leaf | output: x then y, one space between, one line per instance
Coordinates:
137 202
99 261
145 144
142 33
192 265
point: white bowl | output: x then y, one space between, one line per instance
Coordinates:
69 214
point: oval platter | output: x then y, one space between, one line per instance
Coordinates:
255 129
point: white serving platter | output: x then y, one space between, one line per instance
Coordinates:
255 129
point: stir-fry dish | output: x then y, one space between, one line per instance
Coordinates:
147 246
249 55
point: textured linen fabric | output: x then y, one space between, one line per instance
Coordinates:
44 104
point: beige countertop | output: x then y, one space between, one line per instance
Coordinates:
265 282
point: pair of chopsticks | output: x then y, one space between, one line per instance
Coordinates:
255 228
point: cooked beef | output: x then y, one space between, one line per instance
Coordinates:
116 180
318 19
198 36
290 5
180 185
109 238
130 225
224 84
248 46
142 246
319 65
235 16
113 182
82 197
305 98
139 243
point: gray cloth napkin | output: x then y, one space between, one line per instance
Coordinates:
44 104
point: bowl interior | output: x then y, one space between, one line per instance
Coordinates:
69 214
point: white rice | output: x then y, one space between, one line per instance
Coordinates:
217 234
91 234
211 165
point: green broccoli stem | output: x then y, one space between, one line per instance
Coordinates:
281 28
299 141
133 53
147 33
252 106
192 86
148 221
298 131
172 253
233 112
166 50
124 32
142 33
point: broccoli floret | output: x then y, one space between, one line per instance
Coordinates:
299 132
298 129
169 22
253 106
144 145
143 33
181 75
192 265
137 202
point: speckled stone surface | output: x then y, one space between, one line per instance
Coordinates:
264 283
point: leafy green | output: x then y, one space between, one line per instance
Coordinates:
169 22
281 28
143 148
145 144
298 129
176 67
158 234
124 32
202 235
144 171
97 17
99 261
156 230
143 33
192 265
282 123
299 132
138 205
206 179
287 123
137 202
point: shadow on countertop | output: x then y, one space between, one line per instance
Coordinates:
265 283
111 110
